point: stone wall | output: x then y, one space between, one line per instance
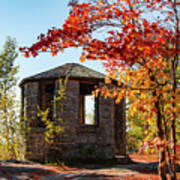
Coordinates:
78 140
120 128
84 141
31 102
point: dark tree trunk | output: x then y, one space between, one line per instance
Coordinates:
174 64
160 131
173 126
166 133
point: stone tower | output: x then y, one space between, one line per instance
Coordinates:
100 135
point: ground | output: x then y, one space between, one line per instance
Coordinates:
143 168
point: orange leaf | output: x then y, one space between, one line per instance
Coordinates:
82 58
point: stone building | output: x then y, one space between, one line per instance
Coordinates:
99 134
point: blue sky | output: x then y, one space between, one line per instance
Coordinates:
25 20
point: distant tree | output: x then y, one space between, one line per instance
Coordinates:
9 124
135 132
7 68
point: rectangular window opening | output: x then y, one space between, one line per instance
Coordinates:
89 112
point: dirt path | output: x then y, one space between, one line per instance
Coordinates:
31 171
143 169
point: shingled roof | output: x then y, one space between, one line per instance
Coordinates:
73 70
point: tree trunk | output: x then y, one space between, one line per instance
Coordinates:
162 164
169 165
174 64
173 126
160 131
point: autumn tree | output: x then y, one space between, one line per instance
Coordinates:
137 41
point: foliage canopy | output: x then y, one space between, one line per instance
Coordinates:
138 46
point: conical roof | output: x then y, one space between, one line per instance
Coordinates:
73 70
